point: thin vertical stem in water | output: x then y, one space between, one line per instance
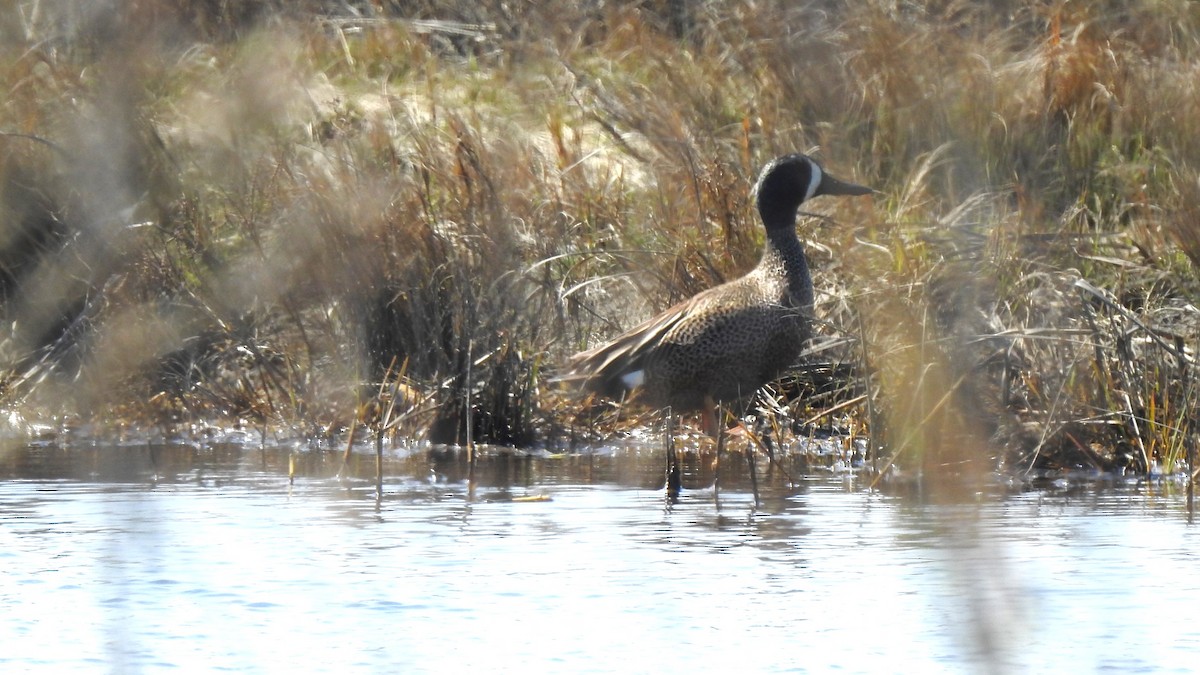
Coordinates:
872 423
349 445
379 468
385 421
154 461
1191 482
1190 452
262 445
469 421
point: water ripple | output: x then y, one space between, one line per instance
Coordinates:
226 567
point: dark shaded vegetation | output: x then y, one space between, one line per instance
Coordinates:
315 216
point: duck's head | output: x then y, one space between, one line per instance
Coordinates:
787 182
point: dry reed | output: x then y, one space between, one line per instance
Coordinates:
253 216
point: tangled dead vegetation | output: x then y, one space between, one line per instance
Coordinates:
321 217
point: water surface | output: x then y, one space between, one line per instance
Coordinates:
137 559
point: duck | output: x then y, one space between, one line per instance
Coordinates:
723 344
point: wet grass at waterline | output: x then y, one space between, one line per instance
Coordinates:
341 226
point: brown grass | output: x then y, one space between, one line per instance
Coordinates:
287 217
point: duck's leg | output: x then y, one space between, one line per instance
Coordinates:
753 473
673 482
750 463
709 423
717 462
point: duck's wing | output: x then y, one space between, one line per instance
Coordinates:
616 367
612 368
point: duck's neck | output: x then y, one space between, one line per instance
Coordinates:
783 258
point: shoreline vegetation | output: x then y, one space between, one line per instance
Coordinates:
341 218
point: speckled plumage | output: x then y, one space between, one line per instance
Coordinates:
724 343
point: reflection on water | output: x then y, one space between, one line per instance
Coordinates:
147 559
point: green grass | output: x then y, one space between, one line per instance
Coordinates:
278 217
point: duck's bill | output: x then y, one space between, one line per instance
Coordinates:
832 186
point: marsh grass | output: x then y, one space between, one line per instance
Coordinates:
312 219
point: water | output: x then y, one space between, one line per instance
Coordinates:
184 559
